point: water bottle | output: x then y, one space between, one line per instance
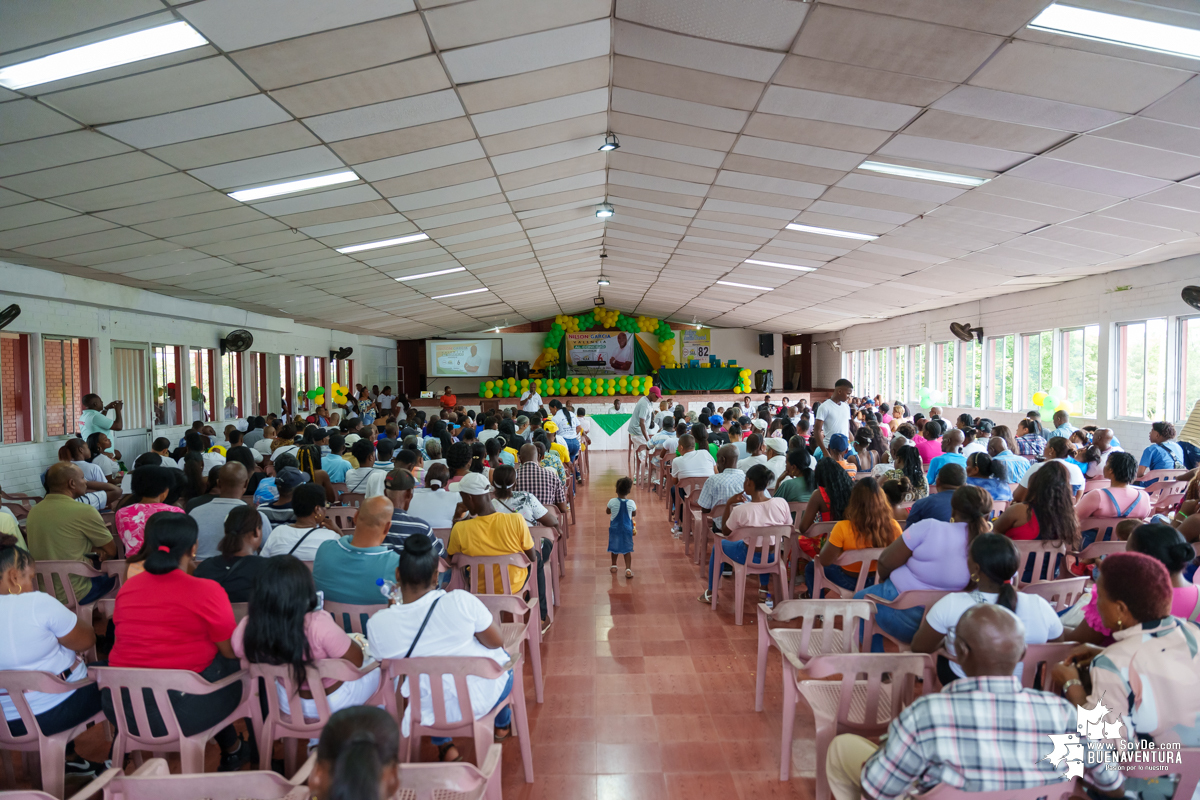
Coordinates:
389 589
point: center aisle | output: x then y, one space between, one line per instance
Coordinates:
650 694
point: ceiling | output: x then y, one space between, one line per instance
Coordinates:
478 123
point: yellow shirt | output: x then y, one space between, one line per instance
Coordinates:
846 537
493 535
562 451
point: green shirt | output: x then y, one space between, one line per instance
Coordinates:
794 490
94 422
61 529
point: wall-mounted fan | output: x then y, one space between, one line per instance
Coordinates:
341 353
964 331
9 314
1190 295
238 341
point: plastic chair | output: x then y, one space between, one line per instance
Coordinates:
1161 475
343 517
459 781
1044 555
924 598
796 556
456 668
1050 791
340 488
1043 655
702 529
767 544
444 535
862 557
808 640
1062 594
639 462
48 571
51 749
293 725
999 507
691 487
122 680
849 706
1099 549
525 627
352 499
1166 494
1091 484
552 568
1105 527
1188 771
352 618
154 781
18 504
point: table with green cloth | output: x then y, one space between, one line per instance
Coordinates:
699 379
610 423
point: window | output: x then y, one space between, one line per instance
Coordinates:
881 365
1001 355
1141 369
166 370
1080 357
856 371
1189 365
129 384
303 383
231 383
203 381
287 384
917 351
943 365
255 395
972 375
68 378
16 408
1037 362
899 387
320 375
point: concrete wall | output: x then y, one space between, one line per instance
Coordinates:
62 305
1100 300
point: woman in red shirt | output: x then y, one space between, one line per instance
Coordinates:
166 619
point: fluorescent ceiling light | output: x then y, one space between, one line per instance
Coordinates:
102 55
923 174
745 286
602 281
777 264
1098 26
795 226
246 195
432 274
459 294
415 237
604 211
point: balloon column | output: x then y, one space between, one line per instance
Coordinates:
1053 400
743 382
575 385
339 393
609 318
931 397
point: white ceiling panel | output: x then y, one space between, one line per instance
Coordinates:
798 153
953 153
54 151
1128 157
237 24
272 168
1092 179
1025 110
702 54
541 112
768 24
527 53
403 113
420 161
828 107
212 120
27 119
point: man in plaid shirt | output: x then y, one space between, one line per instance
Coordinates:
982 733
719 488
539 481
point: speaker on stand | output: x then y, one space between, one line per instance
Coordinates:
509 370
766 344
522 370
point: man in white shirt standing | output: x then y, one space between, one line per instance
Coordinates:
531 401
387 400
833 415
94 418
643 417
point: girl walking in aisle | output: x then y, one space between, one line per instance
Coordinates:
621 529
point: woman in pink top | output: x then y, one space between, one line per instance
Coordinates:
150 487
286 627
1119 499
1165 544
929 442
760 511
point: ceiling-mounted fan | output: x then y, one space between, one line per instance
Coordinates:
965 332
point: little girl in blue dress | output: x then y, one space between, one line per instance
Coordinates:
621 528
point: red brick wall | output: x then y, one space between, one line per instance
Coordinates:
8 387
63 392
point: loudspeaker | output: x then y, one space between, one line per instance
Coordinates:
522 370
766 344
509 370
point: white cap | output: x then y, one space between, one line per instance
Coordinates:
759 424
777 444
474 483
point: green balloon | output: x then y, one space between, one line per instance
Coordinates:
310 394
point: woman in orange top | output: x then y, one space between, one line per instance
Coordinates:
868 523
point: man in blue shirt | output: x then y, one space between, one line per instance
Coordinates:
937 506
333 463
1063 426
951 444
1163 453
346 569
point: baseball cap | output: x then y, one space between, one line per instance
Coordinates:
759 424
839 442
241 425
352 438
716 419
474 483
290 478
549 427
654 393
778 445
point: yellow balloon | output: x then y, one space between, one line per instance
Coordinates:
737 390
489 393
1038 397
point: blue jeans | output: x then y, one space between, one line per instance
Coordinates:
100 587
503 719
901 624
572 446
737 551
835 575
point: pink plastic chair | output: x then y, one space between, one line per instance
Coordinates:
849 706
1166 494
352 499
1044 556
862 557
444 535
460 781
352 618
493 570
18 504
51 749
1161 475
767 544
293 725
691 487
702 532
1105 527
639 462
52 574
154 781
1045 655
1099 549
808 640
904 600
1091 484
343 517
797 558
525 627
1050 791
456 668
1062 594
119 680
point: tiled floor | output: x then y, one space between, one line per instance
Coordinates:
649 694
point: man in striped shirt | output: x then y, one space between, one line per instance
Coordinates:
982 733
400 485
